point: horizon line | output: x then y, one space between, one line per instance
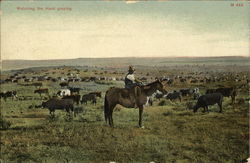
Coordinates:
123 57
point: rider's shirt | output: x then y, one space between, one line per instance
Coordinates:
129 80
131 77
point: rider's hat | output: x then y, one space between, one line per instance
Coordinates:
131 69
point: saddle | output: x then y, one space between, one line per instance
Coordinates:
133 94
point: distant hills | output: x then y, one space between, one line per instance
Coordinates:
124 62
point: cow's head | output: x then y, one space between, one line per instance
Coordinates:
43 105
195 108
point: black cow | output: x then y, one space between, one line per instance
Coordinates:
173 96
74 90
60 104
158 95
75 98
89 97
209 99
209 91
98 94
64 84
226 92
186 92
5 95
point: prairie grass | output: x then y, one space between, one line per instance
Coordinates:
172 133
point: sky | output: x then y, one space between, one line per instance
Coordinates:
100 29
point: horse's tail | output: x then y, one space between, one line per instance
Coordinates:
106 108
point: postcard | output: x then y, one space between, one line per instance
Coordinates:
111 81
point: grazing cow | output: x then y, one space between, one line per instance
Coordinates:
209 99
61 104
183 80
42 91
8 80
5 95
64 92
74 90
209 91
98 94
75 98
88 97
226 92
186 92
64 84
53 79
158 95
173 96
92 78
196 95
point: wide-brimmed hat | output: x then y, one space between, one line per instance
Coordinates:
131 69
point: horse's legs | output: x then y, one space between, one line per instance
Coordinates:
140 115
110 115
111 118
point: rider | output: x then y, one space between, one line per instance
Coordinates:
132 83
130 80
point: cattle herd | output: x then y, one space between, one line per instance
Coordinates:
67 96
211 96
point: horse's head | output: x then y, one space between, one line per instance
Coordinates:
160 86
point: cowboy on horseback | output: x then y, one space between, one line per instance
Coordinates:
132 83
130 80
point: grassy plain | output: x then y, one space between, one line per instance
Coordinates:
171 134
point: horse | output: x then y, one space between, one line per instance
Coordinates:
129 98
